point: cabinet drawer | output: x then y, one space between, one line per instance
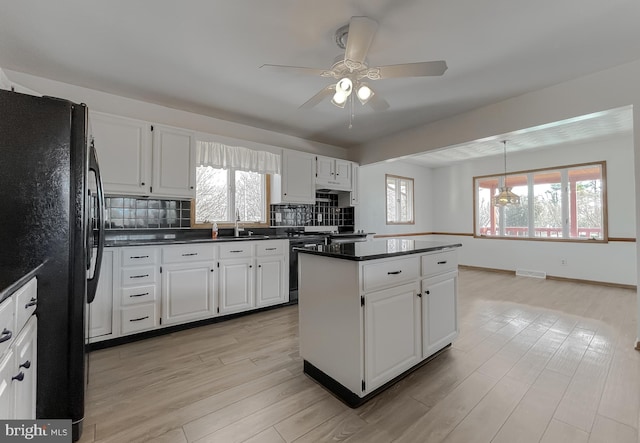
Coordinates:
266 248
138 318
7 324
439 262
138 294
188 253
26 299
238 249
389 273
138 275
139 256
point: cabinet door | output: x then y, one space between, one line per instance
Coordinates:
439 312
270 288
325 172
124 151
391 333
187 292
101 309
355 189
236 285
298 177
25 371
174 162
7 386
343 174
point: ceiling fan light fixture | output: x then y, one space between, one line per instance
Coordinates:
364 93
339 98
345 85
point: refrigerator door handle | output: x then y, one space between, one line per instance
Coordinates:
92 283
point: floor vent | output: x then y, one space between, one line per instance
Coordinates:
526 273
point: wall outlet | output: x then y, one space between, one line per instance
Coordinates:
278 217
319 218
563 261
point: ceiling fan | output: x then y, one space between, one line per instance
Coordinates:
351 70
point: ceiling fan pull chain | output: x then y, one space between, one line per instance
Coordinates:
351 113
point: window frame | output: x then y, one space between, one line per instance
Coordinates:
229 224
386 203
565 204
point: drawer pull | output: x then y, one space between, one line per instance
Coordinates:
442 262
140 256
140 318
393 272
139 276
32 302
138 295
6 335
190 254
26 365
270 249
18 377
237 250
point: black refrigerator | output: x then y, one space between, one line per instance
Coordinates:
51 211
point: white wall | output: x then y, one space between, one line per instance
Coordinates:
370 213
229 132
614 262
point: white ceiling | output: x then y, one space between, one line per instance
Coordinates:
204 55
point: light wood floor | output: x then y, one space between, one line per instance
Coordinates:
536 361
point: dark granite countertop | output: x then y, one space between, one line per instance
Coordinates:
110 243
14 277
376 248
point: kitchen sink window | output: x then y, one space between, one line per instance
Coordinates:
563 203
232 180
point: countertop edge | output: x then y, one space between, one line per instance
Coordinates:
378 256
9 290
168 242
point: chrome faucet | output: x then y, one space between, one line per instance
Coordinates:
237 229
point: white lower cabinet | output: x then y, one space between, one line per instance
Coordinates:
100 321
187 292
24 371
439 311
392 329
137 282
270 285
236 285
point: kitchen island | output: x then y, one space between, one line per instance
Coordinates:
371 312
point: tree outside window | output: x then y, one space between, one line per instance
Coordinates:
399 198
220 192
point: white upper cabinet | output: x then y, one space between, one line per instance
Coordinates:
124 153
174 162
135 162
296 184
333 173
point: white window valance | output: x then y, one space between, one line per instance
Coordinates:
219 155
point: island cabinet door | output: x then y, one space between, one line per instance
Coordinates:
439 312
392 331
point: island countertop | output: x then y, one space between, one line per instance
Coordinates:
376 248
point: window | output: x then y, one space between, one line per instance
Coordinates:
399 200
565 203
222 192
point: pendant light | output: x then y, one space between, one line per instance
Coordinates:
505 197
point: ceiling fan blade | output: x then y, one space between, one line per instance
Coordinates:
298 69
377 103
361 32
422 69
320 96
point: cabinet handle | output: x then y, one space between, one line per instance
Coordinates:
139 276
32 302
139 256
393 272
138 295
190 254
140 318
442 262
190 187
18 377
6 335
271 249
26 365
427 292
420 294
237 250
142 184
259 266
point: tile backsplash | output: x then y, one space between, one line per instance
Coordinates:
324 213
144 213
